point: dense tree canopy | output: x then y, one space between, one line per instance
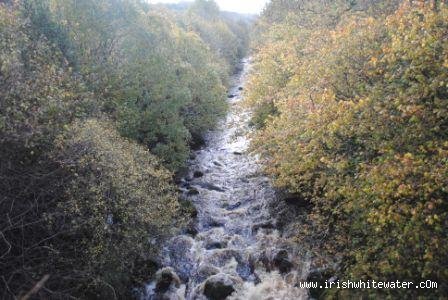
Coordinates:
351 103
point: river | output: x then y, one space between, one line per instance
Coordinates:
235 250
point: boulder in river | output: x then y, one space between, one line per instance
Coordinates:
219 287
217 290
263 225
215 223
237 153
211 187
230 96
223 257
193 191
282 263
198 174
215 245
205 271
165 278
240 88
197 142
191 228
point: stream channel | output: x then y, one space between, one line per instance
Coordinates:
235 250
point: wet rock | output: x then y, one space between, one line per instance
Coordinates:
211 187
165 278
215 245
263 225
191 229
230 96
192 156
197 142
198 174
206 271
265 262
193 191
237 153
282 263
234 206
222 257
240 88
218 288
215 223
216 163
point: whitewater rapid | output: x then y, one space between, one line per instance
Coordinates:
235 250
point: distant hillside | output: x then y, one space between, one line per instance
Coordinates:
181 6
234 16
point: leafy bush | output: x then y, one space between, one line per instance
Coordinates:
358 127
79 202
119 203
39 92
159 82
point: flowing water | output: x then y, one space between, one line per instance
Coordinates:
235 250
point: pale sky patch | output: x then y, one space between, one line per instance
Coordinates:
241 6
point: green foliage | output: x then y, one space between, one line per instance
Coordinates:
159 82
88 89
116 196
80 207
227 38
357 126
39 91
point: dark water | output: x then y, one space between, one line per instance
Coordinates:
237 243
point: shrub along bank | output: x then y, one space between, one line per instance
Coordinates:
350 98
100 102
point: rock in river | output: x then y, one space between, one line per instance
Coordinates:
219 287
282 263
211 187
165 278
215 245
198 174
193 192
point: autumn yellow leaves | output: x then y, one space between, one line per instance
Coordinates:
352 116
